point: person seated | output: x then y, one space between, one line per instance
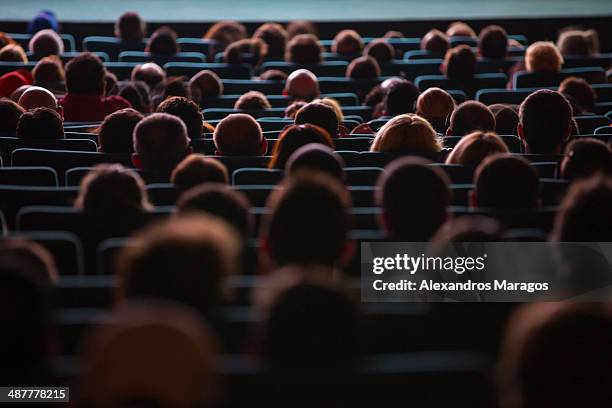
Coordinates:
273 75
40 123
317 206
304 49
335 105
252 100
316 157
171 86
163 42
585 157
578 42
580 94
408 133
400 98
459 63
224 33
505 182
435 41
545 122
380 50
150 73
130 29
46 42
10 112
153 353
493 42
30 258
42 20
85 100
186 110
415 199
347 43
275 36
205 84
460 29
255 51
219 200
363 67
319 114
436 105
292 138
543 56
506 118
13 53
49 73
302 84
197 169
160 142
297 27
137 94
475 228
474 147
469 117
199 249
116 132
38 97
239 134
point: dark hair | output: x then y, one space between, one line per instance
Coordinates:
10 112
493 42
252 100
470 116
137 94
363 67
173 86
435 41
130 28
293 109
273 75
163 41
304 49
255 47
238 134
585 157
469 229
503 181
48 70
380 50
40 123
317 206
545 118
186 110
297 27
85 75
581 92
292 138
116 132
400 98
506 118
197 169
275 36
319 114
317 157
225 33
459 62
414 197
221 201
347 42
161 141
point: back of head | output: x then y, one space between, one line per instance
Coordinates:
400 98
380 50
205 84
470 116
149 73
163 42
256 49
297 27
435 103
172 86
493 42
543 56
459 62
347 42
40 123
584 215
13 53
29 258
317 206
460 29
293 109
160 141
117 130
335 105
302 84
38 97
408 133
186 110
292 138
224 33
364 67
85 75
469 229
473 148
48 71
130 28
318 114
506 118
197 169
184 259
239 134
46 42
414 198
155 353
304 49
316 157
137 94
574 42
545 122
273 75
503 181
275 36
10 112
112 191
219 200
435 41
585 157
581 92
252 100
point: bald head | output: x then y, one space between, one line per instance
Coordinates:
150 73
205 84
160 142
37 97
46 42
302 84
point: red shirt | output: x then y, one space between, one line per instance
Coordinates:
90 108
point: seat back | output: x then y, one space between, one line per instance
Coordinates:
28 176
189 69
9 144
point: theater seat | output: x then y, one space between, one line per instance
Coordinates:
161 59
588 123
247 176
12 198
110 45
189 69
411 69
541 218
468 85
523 79
28 176
241 86
323 69
9 144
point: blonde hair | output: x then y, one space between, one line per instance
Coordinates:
332 103
472 149
435 103
408 132
543 56
459 28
